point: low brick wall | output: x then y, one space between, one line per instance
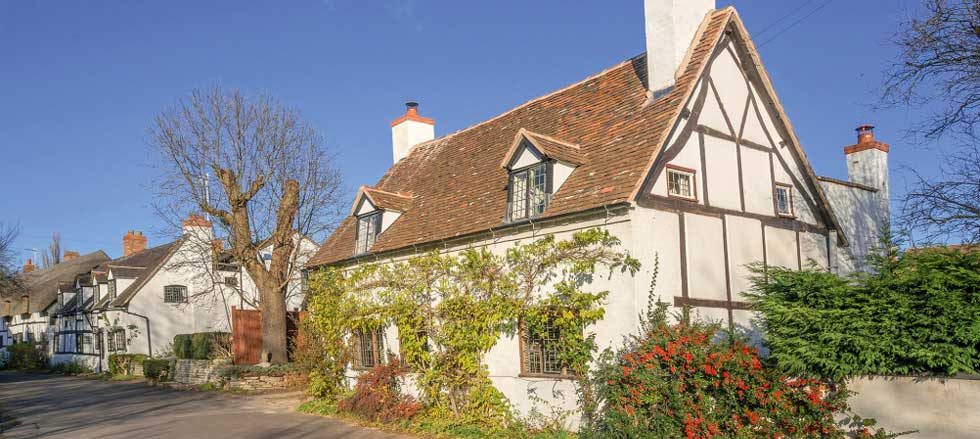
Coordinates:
941 408
196 372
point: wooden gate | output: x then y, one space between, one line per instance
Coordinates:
246 337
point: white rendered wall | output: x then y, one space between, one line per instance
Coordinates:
407 134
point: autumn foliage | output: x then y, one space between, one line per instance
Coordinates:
378 395
689 381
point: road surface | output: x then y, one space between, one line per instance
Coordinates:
52 406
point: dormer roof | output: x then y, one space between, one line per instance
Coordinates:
393 201
548 147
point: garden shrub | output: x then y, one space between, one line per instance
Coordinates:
183 347
679 381
125 364
918 312
156 369
201 345
378 396
70 368
26 356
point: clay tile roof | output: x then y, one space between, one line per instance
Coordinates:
457 183
388 200
548 146
141 266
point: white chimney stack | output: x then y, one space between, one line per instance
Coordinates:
409 130
867 164
670 29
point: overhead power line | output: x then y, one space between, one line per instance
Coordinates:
793 24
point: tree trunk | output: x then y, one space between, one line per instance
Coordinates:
274 343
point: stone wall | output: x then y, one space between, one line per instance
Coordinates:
936 407
196 372
261 383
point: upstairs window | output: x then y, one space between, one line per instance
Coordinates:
368 228
174 294
784 199
112 289
680 183
529 192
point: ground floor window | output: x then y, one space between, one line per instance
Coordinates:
539 352
116 340
369 345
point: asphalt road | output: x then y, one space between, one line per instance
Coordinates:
64 407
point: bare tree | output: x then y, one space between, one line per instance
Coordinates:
938 69
262 173
53 254
938 72
8 234
947 206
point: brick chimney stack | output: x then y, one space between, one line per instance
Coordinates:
29 266
69 255
199 228
133 242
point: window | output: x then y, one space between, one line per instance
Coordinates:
680 182
174 294
539 352
304 281
87 346
112 289
529 192
784 199
368 228
116 340
231 281
79 343
368 346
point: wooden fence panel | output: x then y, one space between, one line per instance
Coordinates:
246 338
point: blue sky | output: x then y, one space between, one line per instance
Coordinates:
81 81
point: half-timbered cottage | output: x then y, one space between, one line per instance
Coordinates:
685 153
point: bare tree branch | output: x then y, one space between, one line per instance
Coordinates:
262 173
947 207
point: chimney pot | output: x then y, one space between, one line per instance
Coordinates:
29 266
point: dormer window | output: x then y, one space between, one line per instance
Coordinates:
368 228
529 192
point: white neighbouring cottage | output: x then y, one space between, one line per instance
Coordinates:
89 307
685 153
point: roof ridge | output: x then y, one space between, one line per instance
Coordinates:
539 98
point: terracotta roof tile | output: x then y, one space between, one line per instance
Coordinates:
459 187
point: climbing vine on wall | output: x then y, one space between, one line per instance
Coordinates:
451 309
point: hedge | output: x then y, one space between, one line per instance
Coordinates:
918 314
26 356
200 345
156 369
125 364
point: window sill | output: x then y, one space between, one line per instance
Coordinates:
546 376
786 215
682 198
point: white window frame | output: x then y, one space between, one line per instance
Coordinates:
175 294
782 187
690 174
527 198
366 232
